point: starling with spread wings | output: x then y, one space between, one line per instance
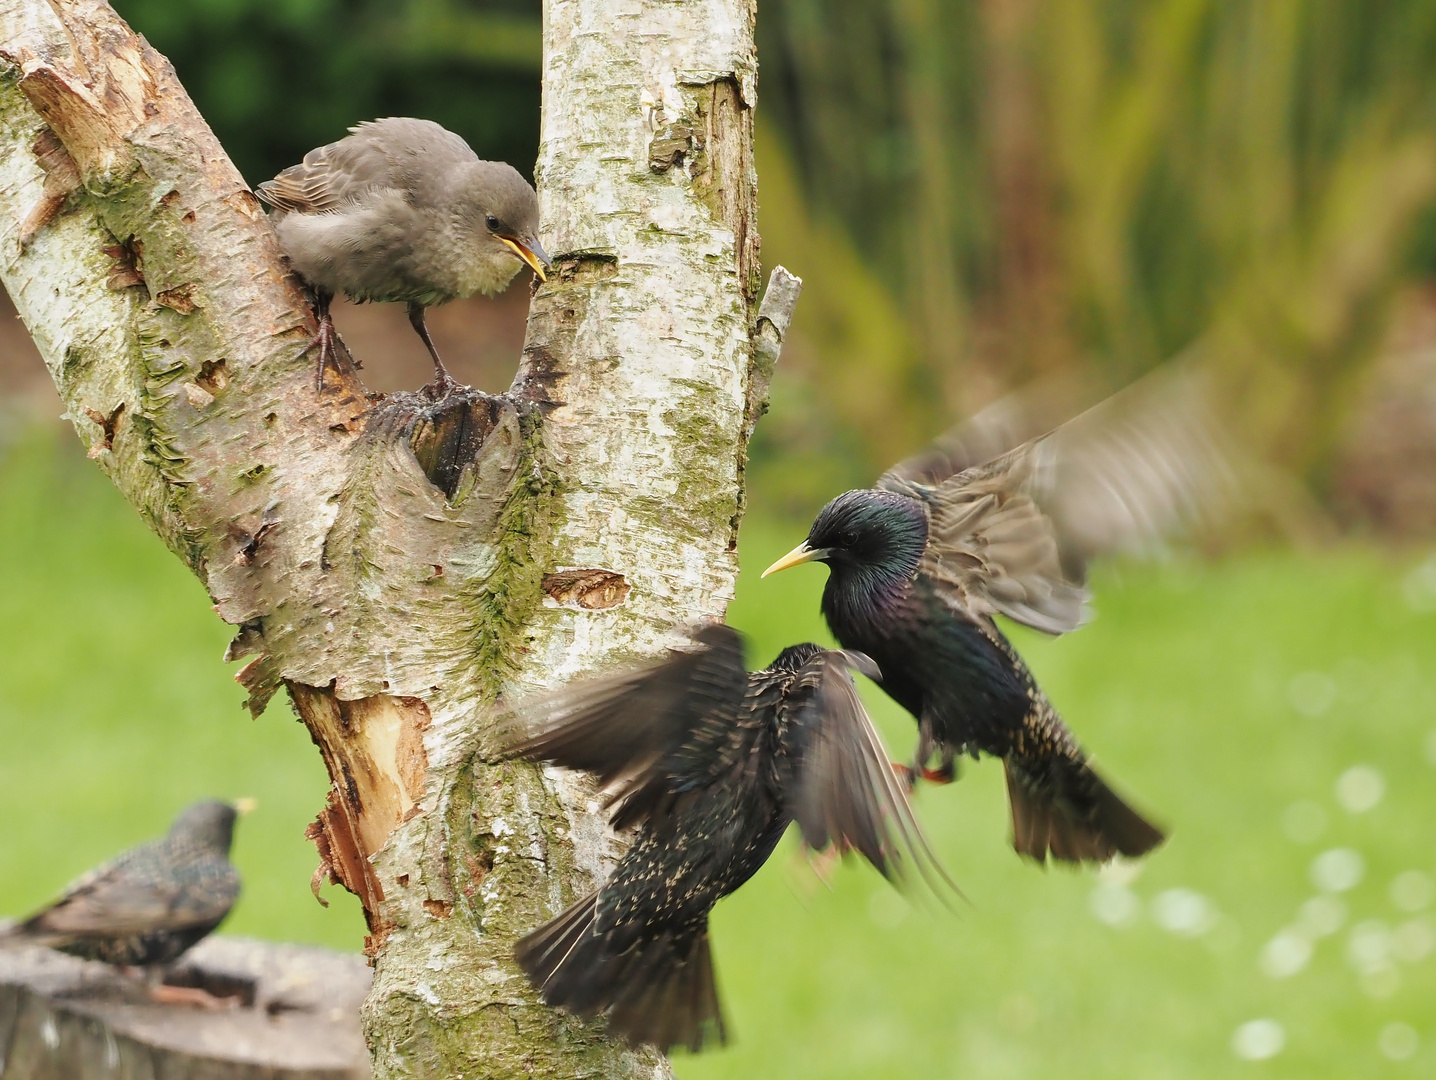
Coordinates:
147 906
712 763
920 565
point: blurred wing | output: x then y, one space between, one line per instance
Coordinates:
846 791
1006 424
628 729
1015 535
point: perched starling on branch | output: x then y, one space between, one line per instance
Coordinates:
403 211
713 762
147 906
919 566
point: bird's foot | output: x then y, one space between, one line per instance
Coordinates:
943 774
165 994
442 385
325 341
823 863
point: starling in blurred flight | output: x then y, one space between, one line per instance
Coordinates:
147 906
713 762
403 211
919 565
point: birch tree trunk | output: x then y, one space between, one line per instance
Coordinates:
397 565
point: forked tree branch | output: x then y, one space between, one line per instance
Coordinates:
400 564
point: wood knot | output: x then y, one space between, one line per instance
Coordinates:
586 588
670 145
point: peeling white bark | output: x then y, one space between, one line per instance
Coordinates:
596 507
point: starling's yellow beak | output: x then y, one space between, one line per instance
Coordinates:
531 252
800 554
245 805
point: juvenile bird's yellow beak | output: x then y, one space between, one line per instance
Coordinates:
531 252
245 805
800 554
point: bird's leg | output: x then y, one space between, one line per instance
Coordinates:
325 338
162 993
443 380
165 994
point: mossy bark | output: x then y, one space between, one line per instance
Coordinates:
400 565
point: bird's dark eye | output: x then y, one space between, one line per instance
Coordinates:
493 223
848 539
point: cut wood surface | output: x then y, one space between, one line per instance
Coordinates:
295 1016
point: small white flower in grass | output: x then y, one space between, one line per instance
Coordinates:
1337 870
1258 1040
1398 1041
1369 947
1360 788
1184 912
1321 916
1114 904
1312 693
1304 821
1413 941
1380 983
1411 890
1285 955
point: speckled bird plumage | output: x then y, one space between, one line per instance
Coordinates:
713 763
147 906
920 565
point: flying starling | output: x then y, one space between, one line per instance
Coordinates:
712 762
919 566
403 211
147 906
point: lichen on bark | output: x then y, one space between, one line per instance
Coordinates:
402 565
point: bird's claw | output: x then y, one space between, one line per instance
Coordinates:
910 775
326 340
165 994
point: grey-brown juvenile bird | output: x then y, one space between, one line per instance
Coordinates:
403 211
920 565
714 763
148 905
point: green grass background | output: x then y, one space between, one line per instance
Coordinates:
115 711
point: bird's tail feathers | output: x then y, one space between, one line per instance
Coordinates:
1068 811
659 990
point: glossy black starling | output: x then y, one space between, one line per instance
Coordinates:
403 211
919 566
147 906
713 763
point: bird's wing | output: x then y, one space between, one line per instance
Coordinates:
1015 535
845 790
131 896
397 153
636 730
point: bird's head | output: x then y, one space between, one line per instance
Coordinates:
868 531
502 212
208 824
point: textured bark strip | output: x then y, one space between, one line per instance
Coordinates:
401 564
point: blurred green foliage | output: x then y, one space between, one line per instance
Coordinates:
276 78
1218 696
1106 183
116 711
